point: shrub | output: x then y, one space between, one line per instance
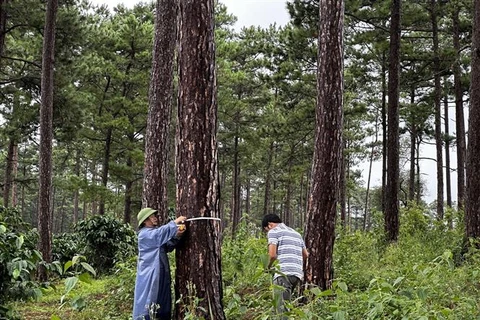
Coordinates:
65 246
18 260
105 241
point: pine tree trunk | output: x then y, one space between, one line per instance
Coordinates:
413 144
3 24
459 115
76 194
235 188
198 261
327 160
448 183
268 181
393 169
384 131
7 188
157 141
14 176
472 204
438 111
127 206
46 137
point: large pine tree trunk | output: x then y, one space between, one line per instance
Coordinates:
46 137
323 198
198 261
459 116
157 142
472 204
393 157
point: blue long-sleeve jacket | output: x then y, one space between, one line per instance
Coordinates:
152 285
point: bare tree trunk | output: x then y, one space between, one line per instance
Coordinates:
447 147
105 169
46 137
459 116
327 161
248 197
268 181
288 196
393 158
413 144
384 131
76 194
157 145
472 204
199 273
14 176
366 220
7 188
3 24
418 184
438 111
127 206
235 188
343 188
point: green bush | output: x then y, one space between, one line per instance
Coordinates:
105 241
18 260
65 246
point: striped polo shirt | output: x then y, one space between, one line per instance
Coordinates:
290 245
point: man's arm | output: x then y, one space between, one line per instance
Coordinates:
304 254
272 253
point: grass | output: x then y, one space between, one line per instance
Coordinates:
422 276
99 297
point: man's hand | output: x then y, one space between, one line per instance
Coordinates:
180 220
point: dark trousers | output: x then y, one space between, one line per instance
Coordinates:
283 291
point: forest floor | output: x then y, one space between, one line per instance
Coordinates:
86 301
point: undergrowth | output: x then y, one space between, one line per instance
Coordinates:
422 276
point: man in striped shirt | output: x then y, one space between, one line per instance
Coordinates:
287 247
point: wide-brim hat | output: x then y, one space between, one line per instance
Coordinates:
144 214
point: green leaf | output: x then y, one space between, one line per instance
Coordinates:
67 265
19 241
89 268
398 280
70 283
55 317
339 315
343 286
16 273
3 229
76 259
85 277
78 303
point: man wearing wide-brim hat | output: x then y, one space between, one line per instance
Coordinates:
153 298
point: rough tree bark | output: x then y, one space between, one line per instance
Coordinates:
438 111
472 204
326 168
448 182
459 116
392 187
157 148
46 137
198 260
